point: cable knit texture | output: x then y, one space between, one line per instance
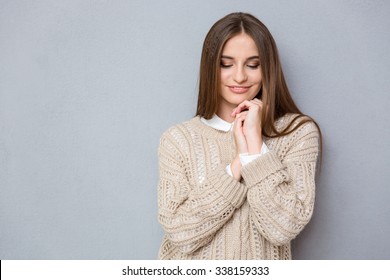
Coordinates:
206 214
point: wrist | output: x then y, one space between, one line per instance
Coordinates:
236 168
255 145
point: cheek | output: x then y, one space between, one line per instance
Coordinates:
224 76
256 78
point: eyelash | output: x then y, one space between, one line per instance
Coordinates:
230 65
225 66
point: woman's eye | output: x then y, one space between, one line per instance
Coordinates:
253 66
223 65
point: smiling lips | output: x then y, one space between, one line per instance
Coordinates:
239 89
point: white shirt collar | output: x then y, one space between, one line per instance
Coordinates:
218 123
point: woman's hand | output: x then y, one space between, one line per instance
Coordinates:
238 131
248 126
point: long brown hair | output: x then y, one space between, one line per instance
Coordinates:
274 92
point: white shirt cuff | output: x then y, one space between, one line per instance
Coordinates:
245 158
229 170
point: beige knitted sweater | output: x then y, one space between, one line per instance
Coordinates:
206 214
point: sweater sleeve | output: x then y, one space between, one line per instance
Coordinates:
281 191
191 214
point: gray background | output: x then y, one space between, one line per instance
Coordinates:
88 87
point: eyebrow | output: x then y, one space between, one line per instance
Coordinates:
249 58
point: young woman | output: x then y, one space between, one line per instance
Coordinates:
237 180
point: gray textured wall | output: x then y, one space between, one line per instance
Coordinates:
87 87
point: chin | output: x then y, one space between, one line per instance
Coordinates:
240 98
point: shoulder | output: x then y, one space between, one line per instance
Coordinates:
297 124
181 129
178 136
300 137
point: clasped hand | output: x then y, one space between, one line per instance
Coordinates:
247 131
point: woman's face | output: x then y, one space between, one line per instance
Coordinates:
240 72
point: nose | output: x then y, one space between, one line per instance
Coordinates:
240 75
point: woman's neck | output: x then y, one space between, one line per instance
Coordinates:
225 115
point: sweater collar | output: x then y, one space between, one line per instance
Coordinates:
218 123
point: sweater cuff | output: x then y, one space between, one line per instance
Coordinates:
232 190
261 168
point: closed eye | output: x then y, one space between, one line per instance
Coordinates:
253 66
223 65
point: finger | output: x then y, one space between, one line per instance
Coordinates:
240 118
239 122
242 106
258 102
249 106
242 114
261 104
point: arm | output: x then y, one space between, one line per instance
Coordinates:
281 191
191 214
